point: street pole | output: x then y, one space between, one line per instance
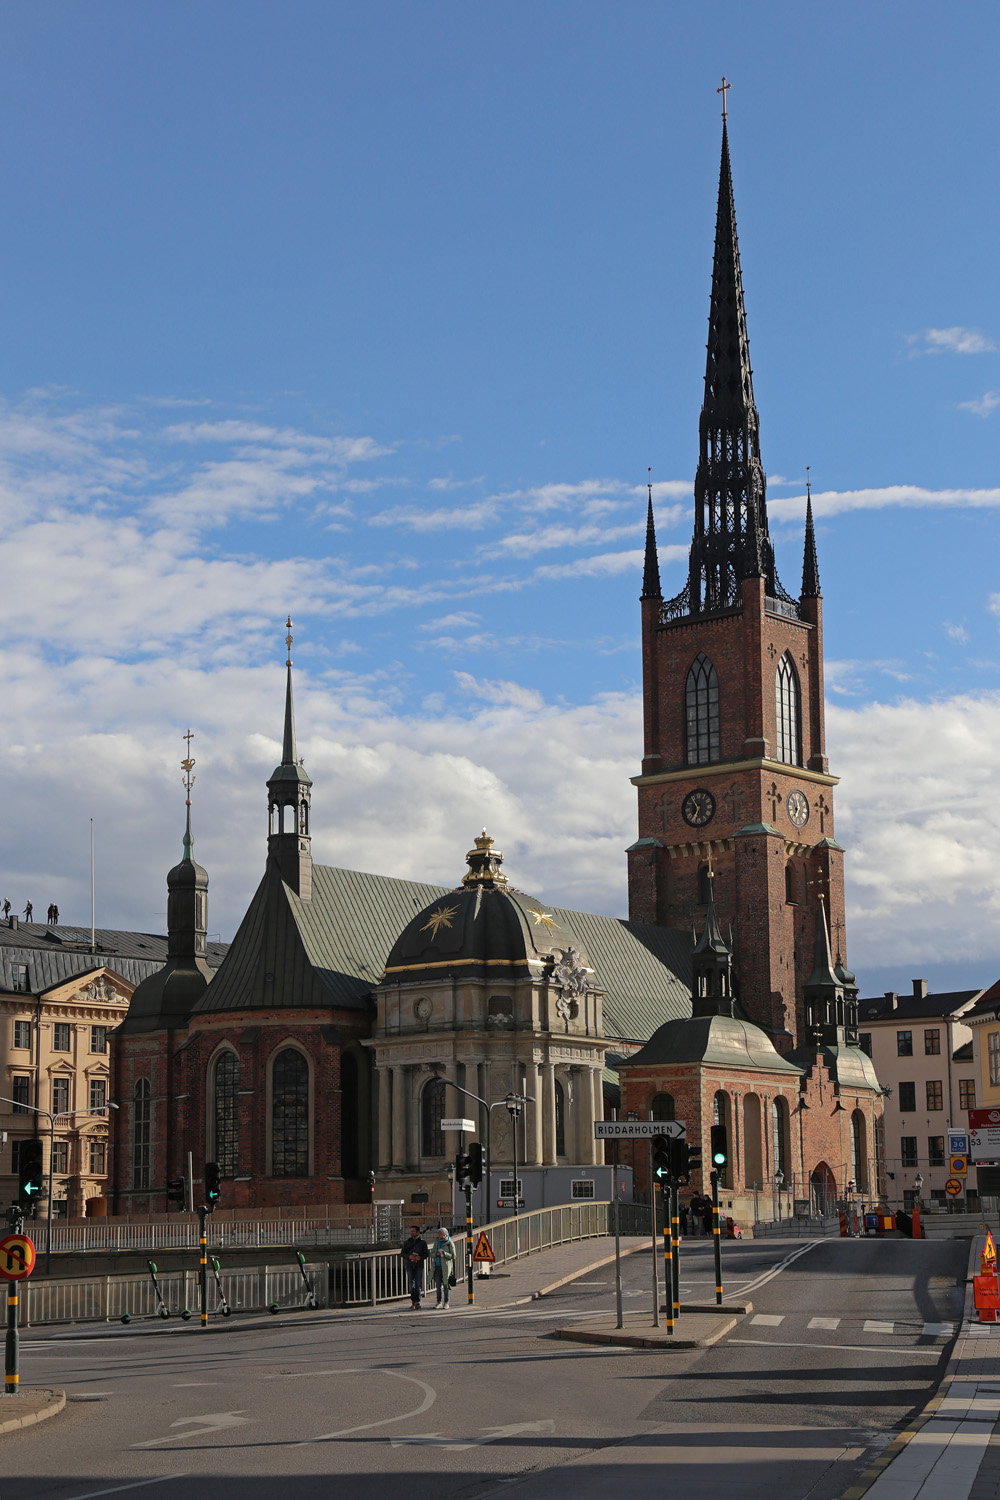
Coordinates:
618 1243
668 1259
675 1236
191 1182
715 1236
652 1219
203 1267
48 1210
11 1349
468 1241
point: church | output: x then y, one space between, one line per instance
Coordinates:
354 1012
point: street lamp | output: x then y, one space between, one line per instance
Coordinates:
918 1183
63 1114
515 1104
779 1178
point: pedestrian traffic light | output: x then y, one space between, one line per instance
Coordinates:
31 1179
475 1163
213 1183
463 1168
720 1147
177 1191
679 1160
661 1157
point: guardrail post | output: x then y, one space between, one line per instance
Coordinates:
373 1279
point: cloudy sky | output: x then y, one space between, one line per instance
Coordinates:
378 314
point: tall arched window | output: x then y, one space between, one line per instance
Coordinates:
788 746
140 1134
859 1151
662 1107
560 1120
350 1122
225 1094
779 1137
290 1115
701 701
431 1115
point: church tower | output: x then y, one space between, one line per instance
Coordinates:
734 776
288 796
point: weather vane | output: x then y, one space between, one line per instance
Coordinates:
722 91
288 641
187 766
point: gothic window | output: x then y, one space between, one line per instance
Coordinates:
290 1115
350 1122
140 1134
701 696
560 1120
225 1095
786 713
431 1115
662 1107
779 1137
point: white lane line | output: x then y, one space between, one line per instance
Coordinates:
872 1325
768 1320
117 1489
878 1350
430 1396
827 1324
938 1330
188 1385
751 1286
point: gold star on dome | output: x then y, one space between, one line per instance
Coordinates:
542 918
440 918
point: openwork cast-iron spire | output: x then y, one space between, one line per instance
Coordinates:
731 539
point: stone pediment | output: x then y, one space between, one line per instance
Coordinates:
96 987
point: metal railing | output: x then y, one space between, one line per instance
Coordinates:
231 1234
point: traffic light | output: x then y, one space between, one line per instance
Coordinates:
213 1183
720 1148
463 1168
475 1163
31 1179
694 1159
371 1183
177 1191
679 1160
661 1157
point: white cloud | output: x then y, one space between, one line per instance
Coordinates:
547 538
956 633
836 502
950 341
983 406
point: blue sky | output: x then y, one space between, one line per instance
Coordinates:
377 314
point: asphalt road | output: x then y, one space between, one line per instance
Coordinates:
845 1340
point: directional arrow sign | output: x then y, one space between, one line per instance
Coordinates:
637 1130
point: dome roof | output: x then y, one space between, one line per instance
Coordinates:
482 928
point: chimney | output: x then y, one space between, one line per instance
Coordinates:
920 989
891 999
12 921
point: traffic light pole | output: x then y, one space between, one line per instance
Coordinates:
652 1215
469 1267
715 1236
203 1267
676 1239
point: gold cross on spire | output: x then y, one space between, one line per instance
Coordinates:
288 641
187 766
725 86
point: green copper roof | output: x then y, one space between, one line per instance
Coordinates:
725 1041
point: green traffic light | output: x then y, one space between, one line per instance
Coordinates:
718 1159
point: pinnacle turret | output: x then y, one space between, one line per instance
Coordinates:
810 565
288 795
651 568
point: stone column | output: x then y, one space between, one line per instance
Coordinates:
398 1075
456 1106
549 1114
585 1114
533 1086
415 1077
384 1076
597 1075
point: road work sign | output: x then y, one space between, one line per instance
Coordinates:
987 1261
483 1250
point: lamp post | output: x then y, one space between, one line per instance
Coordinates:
515 1104
63 1114
779 1178
918 1183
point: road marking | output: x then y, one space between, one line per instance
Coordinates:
828 1324
768 1320
938 1330
874 1349
187 1385
872 1325
590 1283
137 1485
751 1286
217 1421
430 1396
494 1434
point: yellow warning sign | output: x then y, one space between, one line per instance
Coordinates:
988 1259
483 1250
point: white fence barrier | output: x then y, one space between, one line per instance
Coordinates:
232 1234
355 1280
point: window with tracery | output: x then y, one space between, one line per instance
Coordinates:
140 1134
432 1113
290 1115
701 699
225 1091
788 746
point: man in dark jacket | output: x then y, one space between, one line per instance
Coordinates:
414 1251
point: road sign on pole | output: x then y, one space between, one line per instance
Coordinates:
953 1187
17 1260
483 1250
462 1124
637 1130
958 1166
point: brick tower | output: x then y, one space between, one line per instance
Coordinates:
734 773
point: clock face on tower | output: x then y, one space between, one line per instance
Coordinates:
798 808
698 808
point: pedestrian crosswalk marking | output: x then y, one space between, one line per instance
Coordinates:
872 1325
828 1323
938 1330
768 1320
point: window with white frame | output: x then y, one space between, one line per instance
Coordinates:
582 1187
99 1038
509 1188
98 1093
98 1158
60 1036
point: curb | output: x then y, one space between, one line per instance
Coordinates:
554 1286
639 1341
52 1409
868 1477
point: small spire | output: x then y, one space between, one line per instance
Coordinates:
484 864
288 743
822 976
810 565
651 570
187 766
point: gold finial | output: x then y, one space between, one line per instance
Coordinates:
711 872
725 86
187 766
288 641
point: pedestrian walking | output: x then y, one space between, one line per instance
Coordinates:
6 909
682 1213
28 909
444 1269
414 1251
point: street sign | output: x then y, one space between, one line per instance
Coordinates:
989 1181
958 1166
458 1125
17 1257
637 1130
483 1250
953 1187
510 1203
958 1143
988 1258
984 1134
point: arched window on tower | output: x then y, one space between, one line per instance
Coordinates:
140 1134
560 1119
290 1114
779 1136
788 747
225 1096
431 1115
662 1107
701 702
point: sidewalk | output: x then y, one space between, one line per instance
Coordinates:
952 1450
